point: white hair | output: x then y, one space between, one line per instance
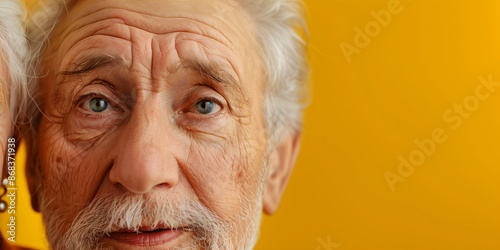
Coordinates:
280 26
14 47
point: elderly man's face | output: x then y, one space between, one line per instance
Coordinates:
153 115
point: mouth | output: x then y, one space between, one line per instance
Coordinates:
146 236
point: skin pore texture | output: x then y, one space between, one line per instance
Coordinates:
153 133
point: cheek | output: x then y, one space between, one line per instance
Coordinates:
70 171
65 180
223 175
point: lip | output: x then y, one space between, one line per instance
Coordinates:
146 238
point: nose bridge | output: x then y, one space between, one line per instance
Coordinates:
145 122
144 158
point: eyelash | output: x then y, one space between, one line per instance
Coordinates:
200 118
87 97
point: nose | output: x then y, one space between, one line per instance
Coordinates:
145 153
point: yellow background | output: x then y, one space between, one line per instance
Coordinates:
367 113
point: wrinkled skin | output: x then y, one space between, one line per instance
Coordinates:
124 94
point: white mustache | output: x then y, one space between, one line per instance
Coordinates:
134 212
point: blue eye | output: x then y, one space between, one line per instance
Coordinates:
98 104
206 107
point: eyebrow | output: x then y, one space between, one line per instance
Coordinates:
91 63
212 71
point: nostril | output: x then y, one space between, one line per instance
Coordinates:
143 162
135 180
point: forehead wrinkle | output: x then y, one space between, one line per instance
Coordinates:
141 14
227 41
61 35
83 41
190 30
131 19
119 14
208 65
97 31
128 39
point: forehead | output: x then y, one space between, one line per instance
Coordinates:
223 13
217 32
221 20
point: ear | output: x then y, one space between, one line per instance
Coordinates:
280 168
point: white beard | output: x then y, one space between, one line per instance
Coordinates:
109 213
